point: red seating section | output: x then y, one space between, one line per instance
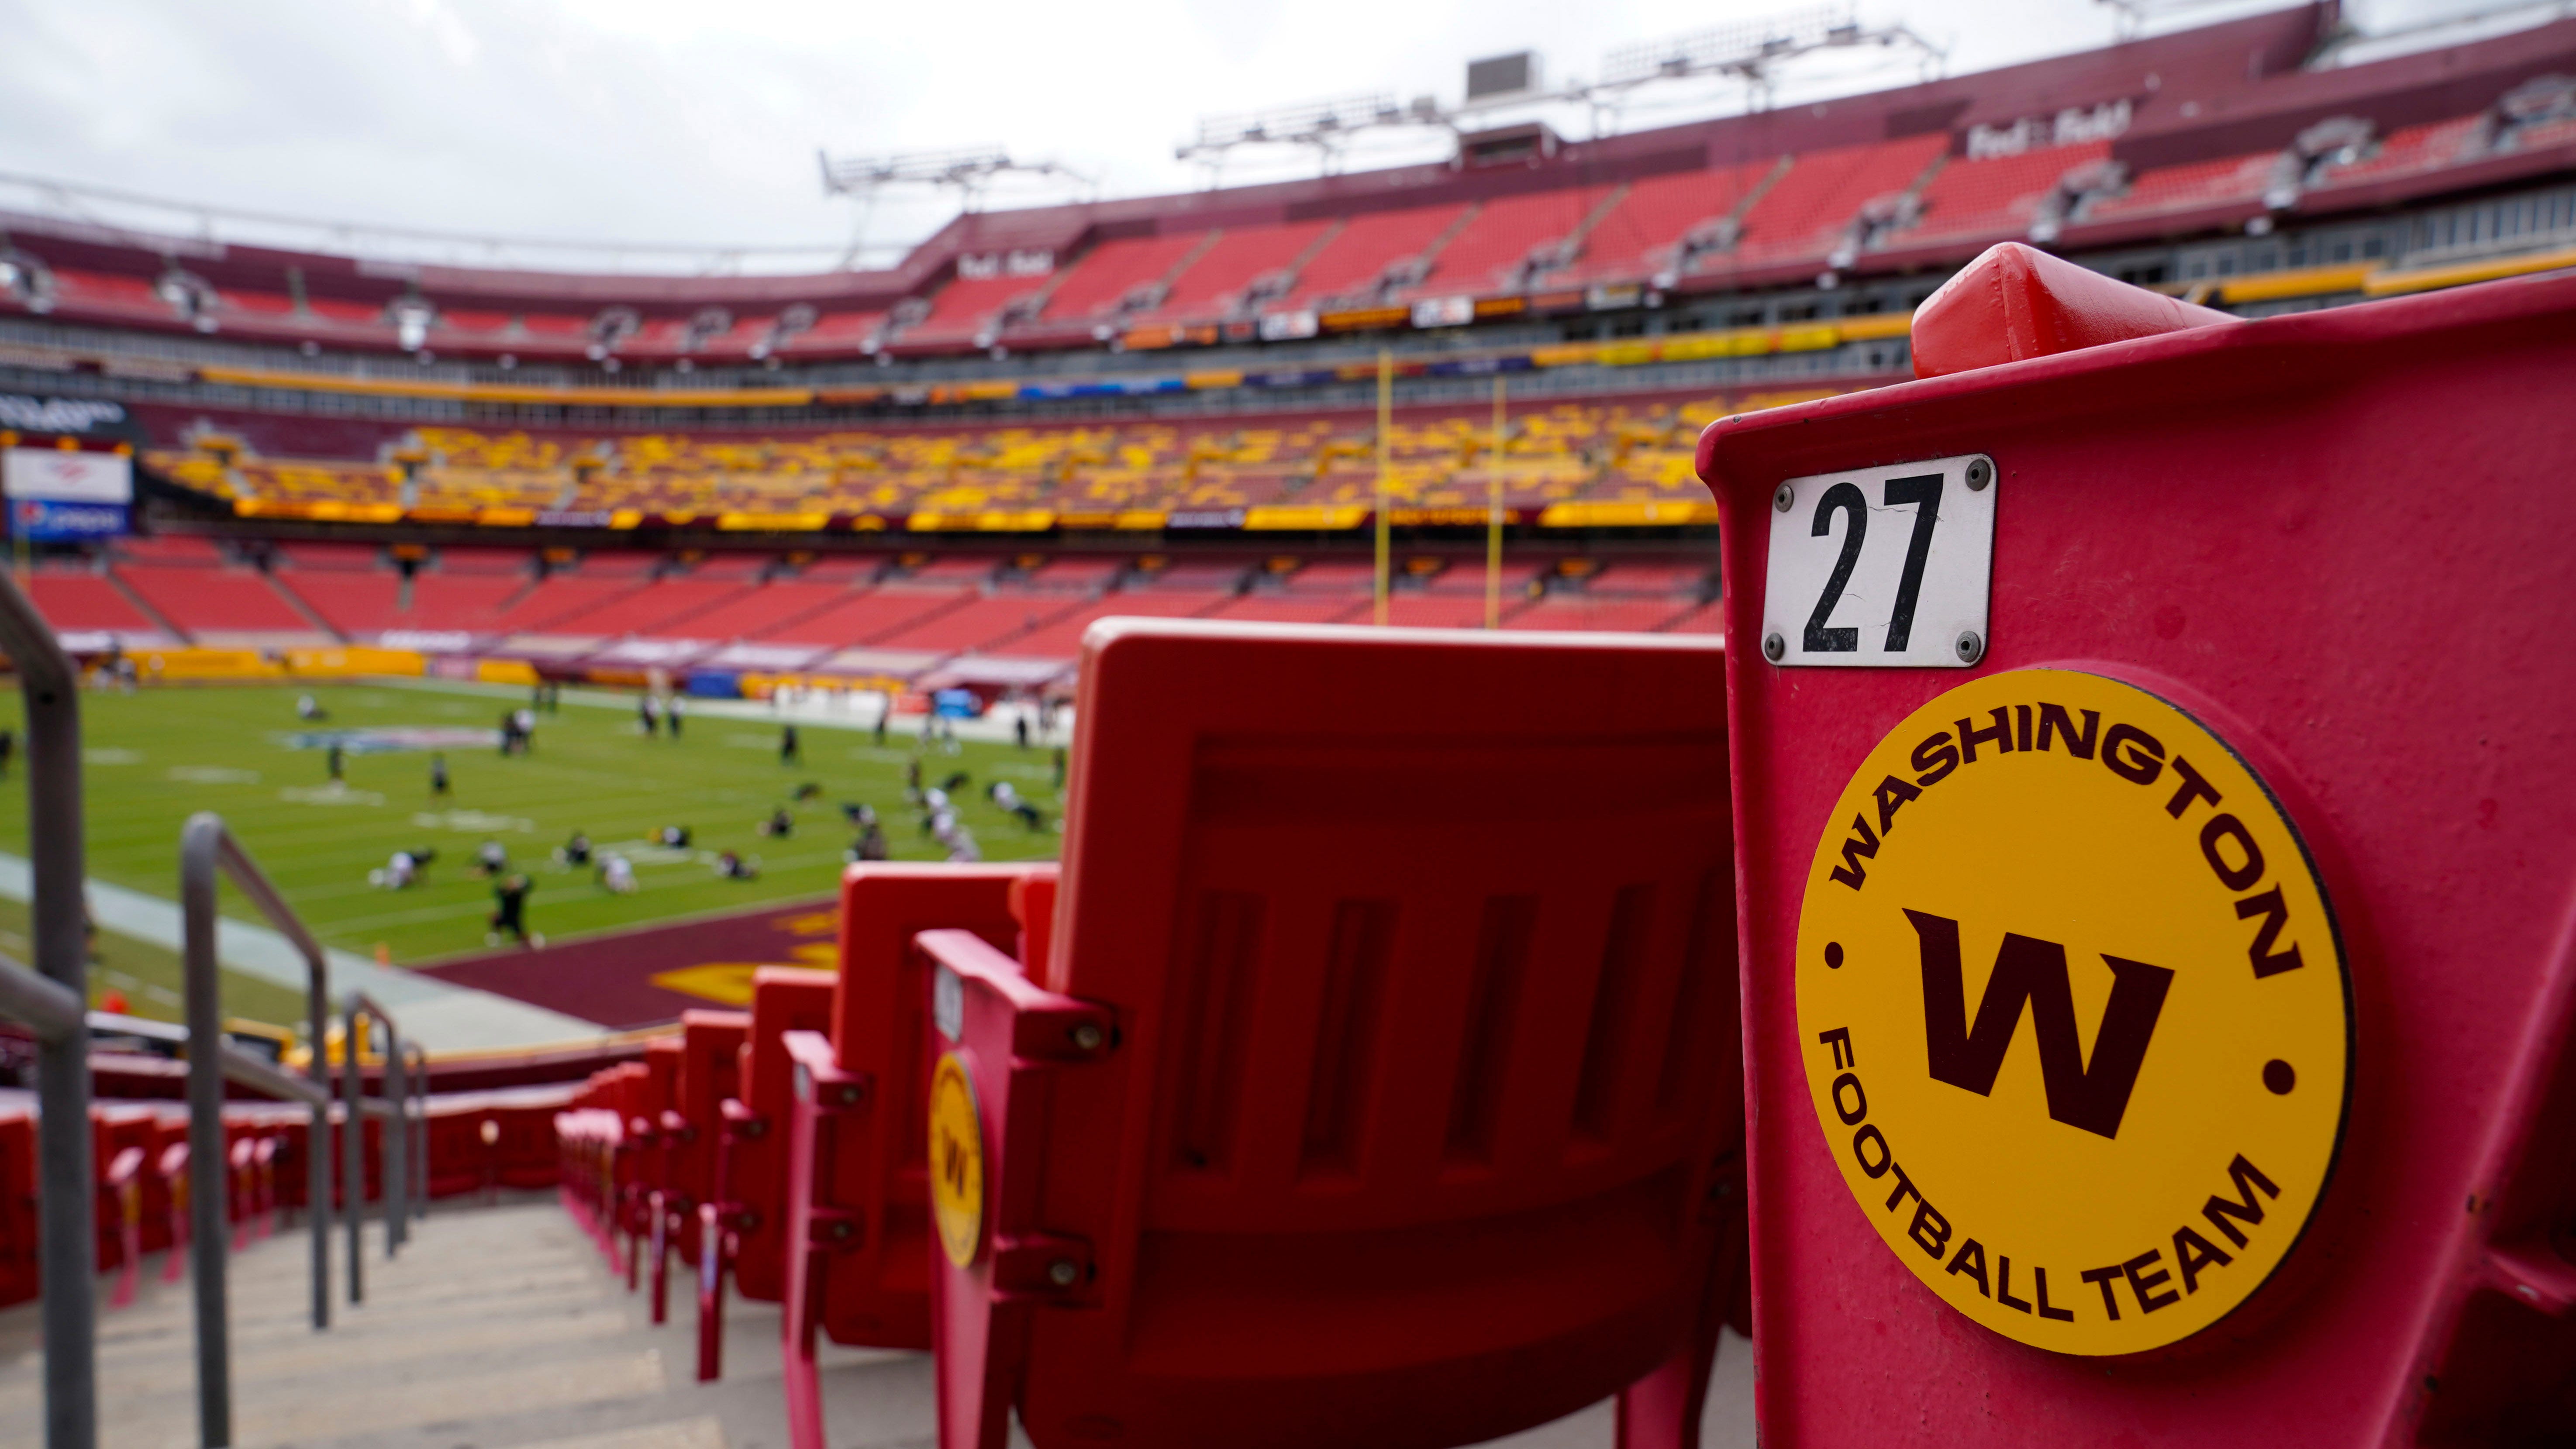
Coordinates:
992 622
2233 180
664 609
1999 196
2410 149
1211 286
220 603
1284 609
1358 255
363 604
86 602
1061 635
559 598
954 605
1110 271
1640 235
867 616
1569 611
144 1173
965 306
764 611
1804 214
1487 253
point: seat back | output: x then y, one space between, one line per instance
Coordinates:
2265 711
710 1071
754 1189
1418 949
871 1163
18 1199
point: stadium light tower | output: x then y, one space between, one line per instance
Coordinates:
1324 127
969 172
1752 51
1748 50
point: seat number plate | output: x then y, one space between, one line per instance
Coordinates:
1888 566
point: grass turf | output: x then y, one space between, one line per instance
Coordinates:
155 757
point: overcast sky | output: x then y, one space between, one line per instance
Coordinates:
698 122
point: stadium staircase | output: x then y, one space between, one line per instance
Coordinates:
502 1328
496 1327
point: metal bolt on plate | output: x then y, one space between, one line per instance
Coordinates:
1981 471
1063 1271
1774 648
1087 1037
1971 648
1785 495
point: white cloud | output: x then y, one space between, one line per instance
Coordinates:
689 121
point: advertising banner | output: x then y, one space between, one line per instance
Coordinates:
67 477
97 417
45 520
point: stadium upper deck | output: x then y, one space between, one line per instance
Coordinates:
2122 154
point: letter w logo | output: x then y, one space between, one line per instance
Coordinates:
2093 1097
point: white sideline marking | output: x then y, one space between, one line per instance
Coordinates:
441 1015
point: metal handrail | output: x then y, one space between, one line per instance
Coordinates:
357 1011
41 1002
57 859
420 1133
206 850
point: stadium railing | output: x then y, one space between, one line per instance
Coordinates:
53 999
208 852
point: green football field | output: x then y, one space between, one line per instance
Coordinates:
154 758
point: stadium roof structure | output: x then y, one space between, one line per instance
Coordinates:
2215 130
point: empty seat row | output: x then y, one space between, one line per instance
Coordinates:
1296 1106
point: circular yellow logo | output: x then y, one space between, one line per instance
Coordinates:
956 1161
2074 1012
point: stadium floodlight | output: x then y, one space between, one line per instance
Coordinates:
1750 49
1323 125
970 170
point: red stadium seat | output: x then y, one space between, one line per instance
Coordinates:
18 1247
2301 567
858 1201
710 1070
653 1091
743 1227
1380 1085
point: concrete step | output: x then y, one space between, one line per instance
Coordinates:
505 1328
